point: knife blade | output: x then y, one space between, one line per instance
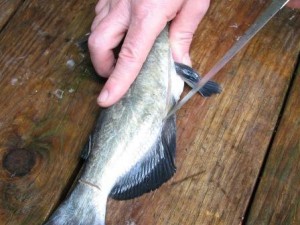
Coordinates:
259 23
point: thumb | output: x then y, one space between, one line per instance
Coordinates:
183 28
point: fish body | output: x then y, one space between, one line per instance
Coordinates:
127 144
132 149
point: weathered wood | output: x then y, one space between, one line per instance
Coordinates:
277 200
7 9
222 140
48 106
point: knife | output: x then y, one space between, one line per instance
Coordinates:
260 22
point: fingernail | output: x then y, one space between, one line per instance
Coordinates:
103 96
187 60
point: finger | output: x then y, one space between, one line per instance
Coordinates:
145 26
183 28
100 16
294 4
105 37
100 5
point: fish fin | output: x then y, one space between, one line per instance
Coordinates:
85 152
187 73
87 148
155 169
191 77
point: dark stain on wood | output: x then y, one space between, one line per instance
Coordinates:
48 108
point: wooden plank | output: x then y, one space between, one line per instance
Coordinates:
222 140
48 106
7 9
277 200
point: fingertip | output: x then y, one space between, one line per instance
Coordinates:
106 98
180 44
186 59
109 96
114 88
102 98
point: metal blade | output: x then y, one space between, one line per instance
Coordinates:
260 22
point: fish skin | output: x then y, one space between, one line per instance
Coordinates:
123 135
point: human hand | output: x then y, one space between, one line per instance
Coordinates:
143 20
294 3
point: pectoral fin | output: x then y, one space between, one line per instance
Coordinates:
157 166
85 152
191 77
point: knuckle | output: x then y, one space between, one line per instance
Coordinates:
141 13
94 41
129 53
144 11
184 38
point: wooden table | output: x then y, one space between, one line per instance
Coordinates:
238 155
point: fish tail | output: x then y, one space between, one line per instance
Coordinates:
82 207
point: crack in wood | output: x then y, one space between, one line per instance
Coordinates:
188 178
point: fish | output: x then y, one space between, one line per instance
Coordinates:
132 148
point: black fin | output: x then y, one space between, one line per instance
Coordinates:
187 73
210 88
156 168
191 77
85 152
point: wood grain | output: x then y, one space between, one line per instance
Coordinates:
277 200
222 140
48 106
7 9
48 109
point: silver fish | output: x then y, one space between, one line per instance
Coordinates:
133 144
